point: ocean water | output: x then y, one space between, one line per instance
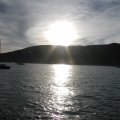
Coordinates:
59 92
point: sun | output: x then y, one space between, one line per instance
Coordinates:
61 33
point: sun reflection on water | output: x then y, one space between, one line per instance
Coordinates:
61 90
61 74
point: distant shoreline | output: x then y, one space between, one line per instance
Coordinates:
100 55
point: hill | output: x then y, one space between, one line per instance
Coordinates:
82 55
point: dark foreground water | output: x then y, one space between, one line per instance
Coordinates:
59 92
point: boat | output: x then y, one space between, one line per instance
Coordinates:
4 66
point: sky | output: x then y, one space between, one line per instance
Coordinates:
23 22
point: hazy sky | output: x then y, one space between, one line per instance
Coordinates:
23 22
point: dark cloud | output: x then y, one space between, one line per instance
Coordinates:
102 5
4 8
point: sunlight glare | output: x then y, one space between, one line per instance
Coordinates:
60 87
61 73
61 33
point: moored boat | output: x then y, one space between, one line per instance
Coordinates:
4 66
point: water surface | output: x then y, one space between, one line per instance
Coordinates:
35 91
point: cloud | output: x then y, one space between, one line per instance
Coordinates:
4 8
13 24
23 22
99 24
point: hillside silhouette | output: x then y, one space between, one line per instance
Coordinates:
108 55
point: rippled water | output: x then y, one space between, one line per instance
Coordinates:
53 92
